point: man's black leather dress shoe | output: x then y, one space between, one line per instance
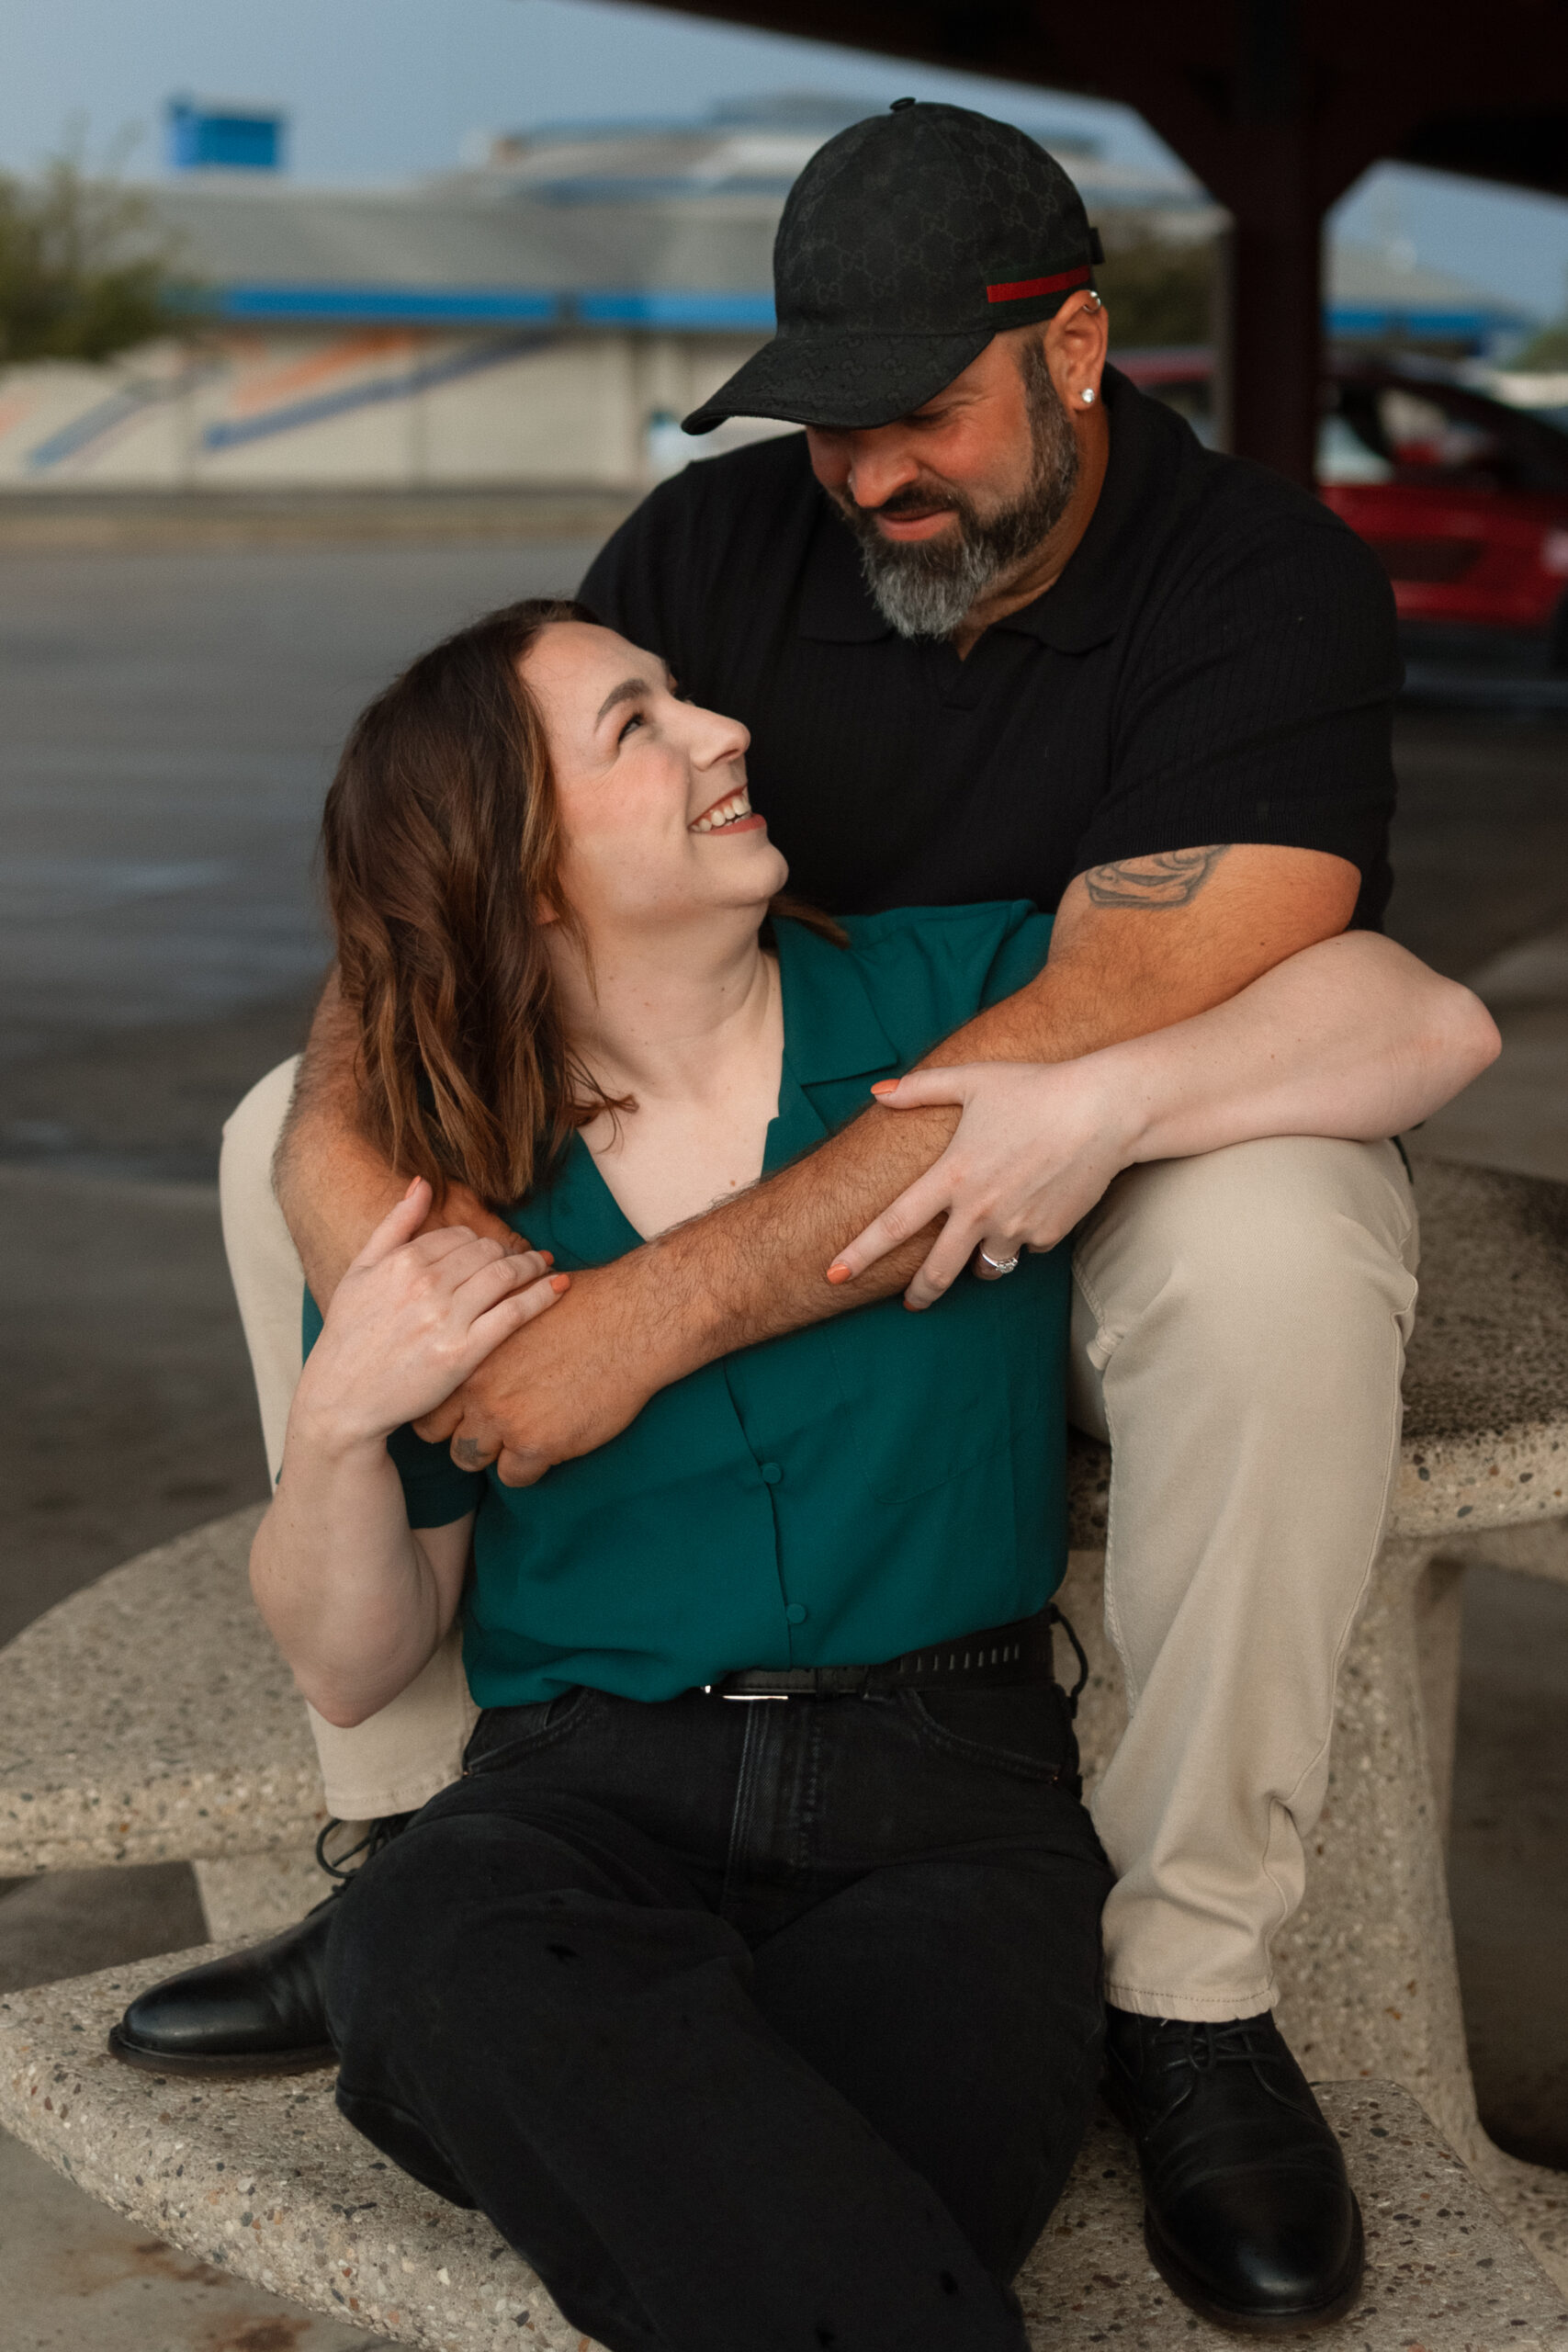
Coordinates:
258 2012
1248 2215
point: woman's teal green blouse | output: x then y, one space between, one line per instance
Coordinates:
834 1497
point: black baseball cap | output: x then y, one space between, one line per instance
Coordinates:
907 243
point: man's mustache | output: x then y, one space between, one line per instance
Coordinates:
907 504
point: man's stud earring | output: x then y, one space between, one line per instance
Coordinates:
1086 396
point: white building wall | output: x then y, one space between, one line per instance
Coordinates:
374 409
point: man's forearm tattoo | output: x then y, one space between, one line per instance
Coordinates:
1172 878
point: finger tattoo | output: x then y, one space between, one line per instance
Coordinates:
1171 878
467 1450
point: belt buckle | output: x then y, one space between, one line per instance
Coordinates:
744 1698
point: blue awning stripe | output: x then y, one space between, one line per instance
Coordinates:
697 308
1386 319
391 305
659 307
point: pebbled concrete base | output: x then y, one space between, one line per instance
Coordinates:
266 2180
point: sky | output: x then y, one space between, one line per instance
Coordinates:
383 90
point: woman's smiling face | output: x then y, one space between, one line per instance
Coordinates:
655 817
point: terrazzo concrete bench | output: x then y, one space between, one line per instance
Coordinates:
149 1718
267 2180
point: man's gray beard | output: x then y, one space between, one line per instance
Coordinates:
926 588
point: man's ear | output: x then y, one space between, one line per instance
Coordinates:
1076 342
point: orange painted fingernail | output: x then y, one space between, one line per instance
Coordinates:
838 1271
560 1283
549 1256
886 1086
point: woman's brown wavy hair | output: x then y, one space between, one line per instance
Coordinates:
441 838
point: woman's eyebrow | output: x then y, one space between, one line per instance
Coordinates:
629 689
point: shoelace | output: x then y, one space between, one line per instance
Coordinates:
378 1834
1055 1617
1243 2041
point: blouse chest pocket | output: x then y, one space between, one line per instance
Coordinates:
928 1396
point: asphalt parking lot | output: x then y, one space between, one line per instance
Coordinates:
168 722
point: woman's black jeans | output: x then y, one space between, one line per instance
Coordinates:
766 2026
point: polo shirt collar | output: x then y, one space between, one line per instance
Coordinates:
1085 606
831 1026
831 1032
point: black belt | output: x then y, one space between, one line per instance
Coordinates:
1005 1653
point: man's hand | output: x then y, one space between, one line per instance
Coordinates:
533 1408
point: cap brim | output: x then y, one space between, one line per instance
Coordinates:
844 382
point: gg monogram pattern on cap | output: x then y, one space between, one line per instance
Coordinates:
906 243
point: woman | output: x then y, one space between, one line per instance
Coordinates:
770 2023
746 2023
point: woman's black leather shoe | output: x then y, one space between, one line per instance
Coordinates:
1248 2214
263 2011
258 2012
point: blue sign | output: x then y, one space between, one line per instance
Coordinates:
230 138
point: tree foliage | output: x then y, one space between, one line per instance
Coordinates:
1157 293
1547 348
82 270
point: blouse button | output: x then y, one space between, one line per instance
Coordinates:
795 1613
771 1474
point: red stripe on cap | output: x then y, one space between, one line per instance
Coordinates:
1023 289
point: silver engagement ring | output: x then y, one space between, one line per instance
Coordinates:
1000 1265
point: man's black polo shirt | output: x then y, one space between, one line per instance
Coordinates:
1216 663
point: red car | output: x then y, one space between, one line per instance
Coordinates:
1465 499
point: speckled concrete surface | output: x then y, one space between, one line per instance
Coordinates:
266 2180
1486 1388
150 1718
246 1896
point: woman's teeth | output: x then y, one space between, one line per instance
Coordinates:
722 813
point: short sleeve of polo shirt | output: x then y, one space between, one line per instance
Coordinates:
435 1489
1255 694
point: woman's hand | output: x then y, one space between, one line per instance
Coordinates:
1036 1145
413 1315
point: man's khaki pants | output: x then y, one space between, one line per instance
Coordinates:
1240 1328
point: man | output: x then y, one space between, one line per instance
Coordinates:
1001 628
